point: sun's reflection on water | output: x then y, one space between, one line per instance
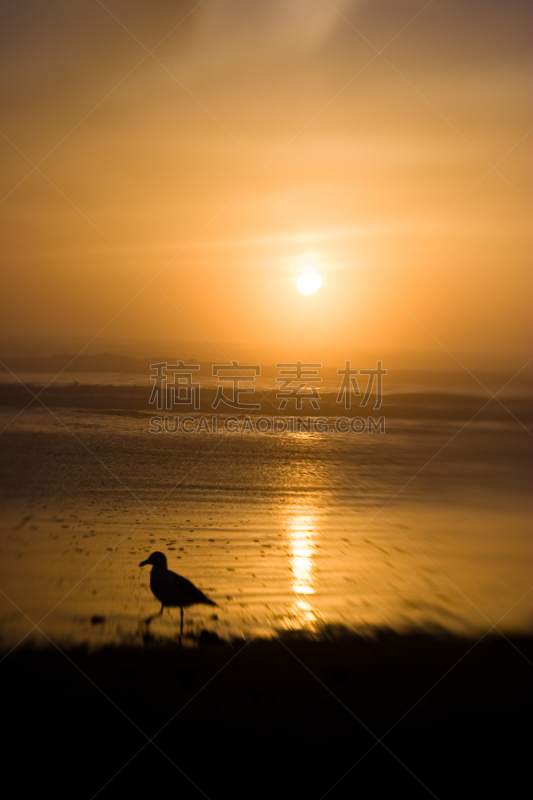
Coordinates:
302 531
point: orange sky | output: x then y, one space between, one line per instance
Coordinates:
258 133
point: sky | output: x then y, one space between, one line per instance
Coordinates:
171 168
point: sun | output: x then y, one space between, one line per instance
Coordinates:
309 283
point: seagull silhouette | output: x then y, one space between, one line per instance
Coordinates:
170 589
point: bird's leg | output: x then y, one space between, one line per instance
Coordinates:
149 619
181 627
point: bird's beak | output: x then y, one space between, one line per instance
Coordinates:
143 563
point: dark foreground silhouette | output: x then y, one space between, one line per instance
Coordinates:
414 716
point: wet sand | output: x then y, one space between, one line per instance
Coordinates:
413 716
284 533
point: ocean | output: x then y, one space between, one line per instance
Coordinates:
425 525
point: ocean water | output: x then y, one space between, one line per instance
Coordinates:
427 525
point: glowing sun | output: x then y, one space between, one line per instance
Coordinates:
309 283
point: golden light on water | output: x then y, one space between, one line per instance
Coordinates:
302 533
301 560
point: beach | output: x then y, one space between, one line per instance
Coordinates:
416 528
372 632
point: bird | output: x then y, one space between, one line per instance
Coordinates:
170 589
